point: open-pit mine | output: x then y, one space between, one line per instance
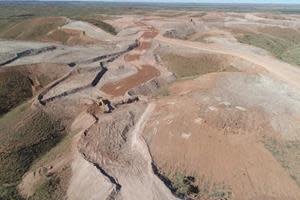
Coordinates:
104 101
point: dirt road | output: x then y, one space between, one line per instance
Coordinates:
279 69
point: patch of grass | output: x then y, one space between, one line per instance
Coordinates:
192 187
9 193
283 43
27 140
184 186
15 88
6 23
8 119
272 44
24 139
183 66
32 29
45 79
46 190
99 23
54 187
291 55
287 154
63 147
212 190
163 91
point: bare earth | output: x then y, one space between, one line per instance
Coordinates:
131 125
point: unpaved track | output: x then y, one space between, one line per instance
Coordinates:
280 69
138 144
136 133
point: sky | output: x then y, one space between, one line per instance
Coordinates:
215 1
191 1
205 1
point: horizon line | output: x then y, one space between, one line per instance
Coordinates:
159 1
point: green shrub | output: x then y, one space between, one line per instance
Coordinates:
184 185
54 187
9 193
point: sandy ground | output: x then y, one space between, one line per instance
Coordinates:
210 128
87 182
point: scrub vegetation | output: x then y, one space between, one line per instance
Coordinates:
183 66
284 43
26 134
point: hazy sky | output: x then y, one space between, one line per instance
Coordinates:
190 1
216 1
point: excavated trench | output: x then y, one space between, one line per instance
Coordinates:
110 58
145 72
116 147
28 52
107 56
119 88
75 90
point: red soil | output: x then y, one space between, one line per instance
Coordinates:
150 34
121 87
143 46
131 57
